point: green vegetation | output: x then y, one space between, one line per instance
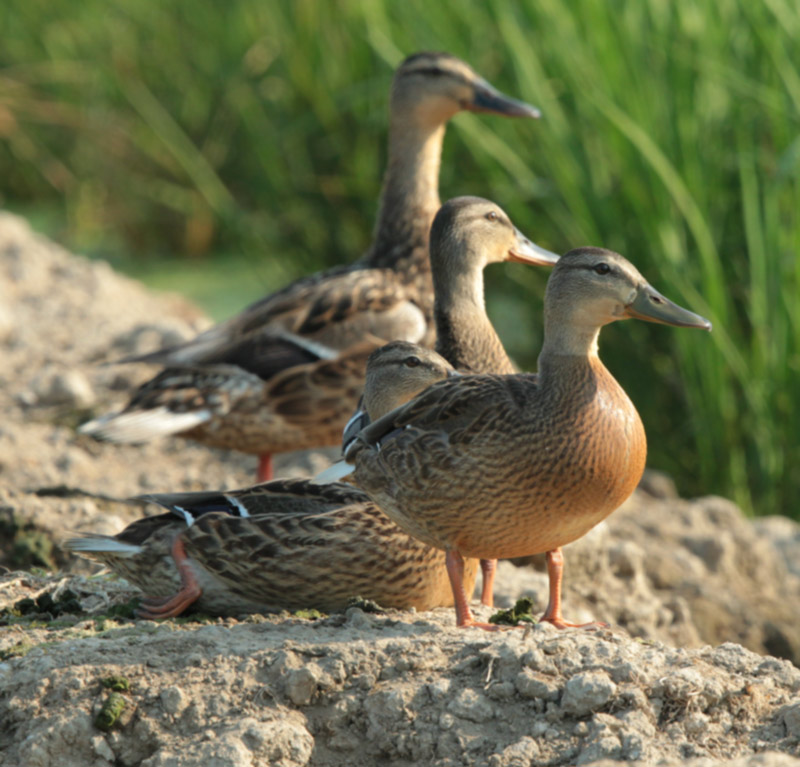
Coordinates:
125 611
366 605
22 544
67 603
310 614
116 683
671 133
110 712
521 612
18 650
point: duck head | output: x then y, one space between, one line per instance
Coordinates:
434 86
468 233
591 287
399 371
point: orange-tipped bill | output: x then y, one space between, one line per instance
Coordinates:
527 252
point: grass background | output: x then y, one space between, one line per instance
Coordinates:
224 148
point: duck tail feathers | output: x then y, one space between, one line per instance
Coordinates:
101 544
142 425
335 473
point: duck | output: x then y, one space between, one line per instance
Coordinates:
286 373
392 379
468 233
287 544
503 466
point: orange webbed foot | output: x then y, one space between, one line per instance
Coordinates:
169 607
153 608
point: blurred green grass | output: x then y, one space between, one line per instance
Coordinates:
227 148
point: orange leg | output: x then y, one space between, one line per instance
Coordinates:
488 569
169 607
464 617
555 570
264 468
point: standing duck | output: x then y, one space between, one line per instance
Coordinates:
286 373
507 466
286 544
468 234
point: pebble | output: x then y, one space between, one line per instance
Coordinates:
471 705
68 388
586 692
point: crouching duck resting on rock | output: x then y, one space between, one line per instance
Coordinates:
286 373
286 544
490 466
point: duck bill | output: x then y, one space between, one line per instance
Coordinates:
488 99
651 306
526 252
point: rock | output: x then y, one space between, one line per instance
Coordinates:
301 684
784 535
69 388
471 705
149 337
531 685
669 575
791 719
587 692
520 754
174 700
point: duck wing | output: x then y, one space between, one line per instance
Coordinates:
314 318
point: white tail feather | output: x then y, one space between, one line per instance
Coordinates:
142 425
320 350
334 473
102 544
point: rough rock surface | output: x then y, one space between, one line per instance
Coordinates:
355 689
400 688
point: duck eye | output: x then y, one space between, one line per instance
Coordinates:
602 268
491 216
412 362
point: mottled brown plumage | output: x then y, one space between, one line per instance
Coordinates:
467 235
325 318
286 544
506 466
396 372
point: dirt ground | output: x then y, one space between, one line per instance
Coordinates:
686 585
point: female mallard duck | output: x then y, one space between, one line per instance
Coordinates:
467 235
286 373
287 544
508 466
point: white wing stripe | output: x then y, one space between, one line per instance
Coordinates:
235 502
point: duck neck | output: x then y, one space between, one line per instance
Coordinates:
567 340
409 198
381 396
464 335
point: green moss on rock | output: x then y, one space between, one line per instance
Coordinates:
521 612
111 711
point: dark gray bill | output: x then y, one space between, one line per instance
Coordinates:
488 99
650 305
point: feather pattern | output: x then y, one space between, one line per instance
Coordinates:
322 320
295 545
286 544
506 466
